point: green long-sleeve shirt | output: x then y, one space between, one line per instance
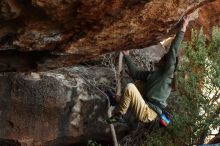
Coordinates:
157 84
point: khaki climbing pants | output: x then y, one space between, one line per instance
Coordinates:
133 99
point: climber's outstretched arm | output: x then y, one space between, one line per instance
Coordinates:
134 72
172 53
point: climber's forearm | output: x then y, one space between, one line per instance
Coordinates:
131 66
171 56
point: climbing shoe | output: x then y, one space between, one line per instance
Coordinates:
116 119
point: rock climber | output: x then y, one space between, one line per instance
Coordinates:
147 97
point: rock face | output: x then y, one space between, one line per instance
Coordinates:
208 17
54 108
42 34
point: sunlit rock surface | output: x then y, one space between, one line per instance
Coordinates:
43 34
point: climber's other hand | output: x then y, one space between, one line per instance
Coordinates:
125 52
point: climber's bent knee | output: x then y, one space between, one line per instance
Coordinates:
130 86
131 90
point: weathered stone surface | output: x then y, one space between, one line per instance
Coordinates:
209 16
67 32
54 108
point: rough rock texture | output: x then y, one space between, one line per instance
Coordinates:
209 16
42 34
55 108
9 142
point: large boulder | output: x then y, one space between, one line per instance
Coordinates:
63 106
55 108
43 34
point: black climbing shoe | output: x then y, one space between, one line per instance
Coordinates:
116 119
110 95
